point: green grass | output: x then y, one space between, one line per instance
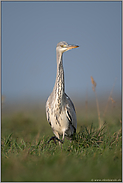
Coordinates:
93 155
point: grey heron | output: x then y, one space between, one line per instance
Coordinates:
60 110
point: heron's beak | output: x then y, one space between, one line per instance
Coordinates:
72 46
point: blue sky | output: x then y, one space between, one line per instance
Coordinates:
30 33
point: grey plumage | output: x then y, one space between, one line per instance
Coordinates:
60 110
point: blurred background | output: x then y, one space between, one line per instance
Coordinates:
30 33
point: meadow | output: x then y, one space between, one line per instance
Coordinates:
94 155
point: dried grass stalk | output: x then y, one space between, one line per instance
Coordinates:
97 103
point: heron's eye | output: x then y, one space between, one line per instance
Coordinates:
63 46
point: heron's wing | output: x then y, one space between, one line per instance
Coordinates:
70 112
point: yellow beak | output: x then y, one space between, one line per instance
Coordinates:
72 46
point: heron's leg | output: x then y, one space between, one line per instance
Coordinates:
63 135
61 141
57 135
54 138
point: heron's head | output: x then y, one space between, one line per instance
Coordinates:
63 46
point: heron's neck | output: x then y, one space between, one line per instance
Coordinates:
59 84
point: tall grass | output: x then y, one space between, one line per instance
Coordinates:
94 154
